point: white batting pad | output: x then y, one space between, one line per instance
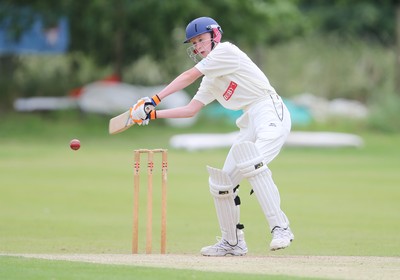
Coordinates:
250 162
228 212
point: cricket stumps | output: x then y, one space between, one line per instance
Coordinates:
136 186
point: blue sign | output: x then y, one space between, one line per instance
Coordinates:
36 39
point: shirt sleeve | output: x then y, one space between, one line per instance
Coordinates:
204 94
219 62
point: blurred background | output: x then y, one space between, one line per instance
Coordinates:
67 67
333 61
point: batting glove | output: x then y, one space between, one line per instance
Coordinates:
150 103
143 110
150 116
143 107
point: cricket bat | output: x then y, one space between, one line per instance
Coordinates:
124 121
120 123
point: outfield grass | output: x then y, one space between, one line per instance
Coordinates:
20 268
55 200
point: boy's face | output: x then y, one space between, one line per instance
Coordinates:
202 44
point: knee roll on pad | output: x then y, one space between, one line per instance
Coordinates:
220 183
248 159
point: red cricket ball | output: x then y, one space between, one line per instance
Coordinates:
75 144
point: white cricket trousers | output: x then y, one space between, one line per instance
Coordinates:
267 124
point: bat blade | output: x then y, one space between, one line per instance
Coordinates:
120 123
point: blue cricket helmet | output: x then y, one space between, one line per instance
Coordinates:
203 25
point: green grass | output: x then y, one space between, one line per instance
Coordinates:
55 200
18 268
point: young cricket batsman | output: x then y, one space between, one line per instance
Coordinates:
234 80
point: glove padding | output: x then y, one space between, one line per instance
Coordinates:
152 115
140 110
143 111
144 122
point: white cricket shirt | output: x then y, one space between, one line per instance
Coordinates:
231 78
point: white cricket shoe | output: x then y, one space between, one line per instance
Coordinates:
281 238
223 248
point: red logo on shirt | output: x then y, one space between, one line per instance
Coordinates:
230 90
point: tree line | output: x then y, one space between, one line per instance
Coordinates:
124 30
121 31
